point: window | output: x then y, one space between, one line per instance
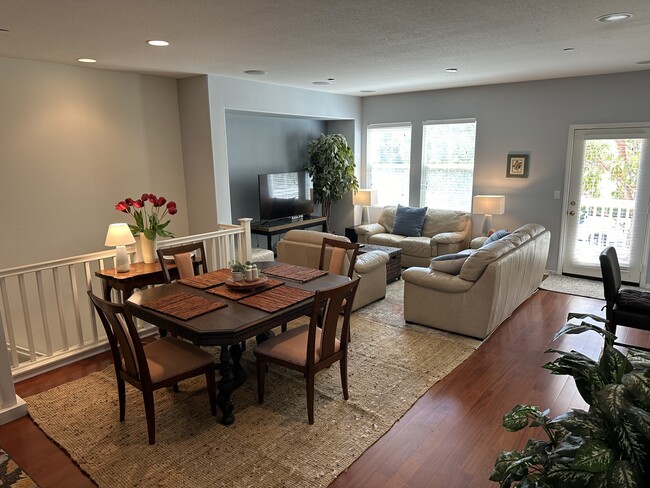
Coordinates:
388 162
448 164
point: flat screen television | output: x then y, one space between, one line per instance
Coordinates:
285 195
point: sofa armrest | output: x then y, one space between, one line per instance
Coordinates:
477 242
368 261
448 238
436 280
369 229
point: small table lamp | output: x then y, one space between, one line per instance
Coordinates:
119 235
489 205
365 198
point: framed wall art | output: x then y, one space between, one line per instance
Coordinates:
517 166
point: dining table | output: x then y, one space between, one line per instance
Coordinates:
211 310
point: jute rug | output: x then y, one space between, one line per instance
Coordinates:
576 286
271 445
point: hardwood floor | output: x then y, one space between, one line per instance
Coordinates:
449 438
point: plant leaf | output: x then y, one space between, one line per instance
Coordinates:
580 423
632 443
638 384
640 419
503 463
563 476
623 475
613 364
612 400
518 418
593 456
572 327
639 359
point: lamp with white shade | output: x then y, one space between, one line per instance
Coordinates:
119 235
364 198
489 205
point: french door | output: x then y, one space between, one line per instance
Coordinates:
607 199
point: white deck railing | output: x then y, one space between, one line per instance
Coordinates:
47 317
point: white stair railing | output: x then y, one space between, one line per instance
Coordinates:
47 317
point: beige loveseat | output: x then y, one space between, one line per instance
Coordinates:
491 284
443 232
302 247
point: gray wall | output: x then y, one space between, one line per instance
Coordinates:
520 117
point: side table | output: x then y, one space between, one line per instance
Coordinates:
351 234
394 264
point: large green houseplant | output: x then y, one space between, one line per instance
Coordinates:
331 167
607 446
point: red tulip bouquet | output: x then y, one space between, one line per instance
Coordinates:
148 222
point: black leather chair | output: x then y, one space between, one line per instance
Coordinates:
629 308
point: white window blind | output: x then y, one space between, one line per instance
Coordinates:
388 162
448 164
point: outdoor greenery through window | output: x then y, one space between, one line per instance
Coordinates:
448 164
388 162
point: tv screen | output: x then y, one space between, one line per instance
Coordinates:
285 195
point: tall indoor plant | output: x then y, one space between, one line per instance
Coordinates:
331 167
606 446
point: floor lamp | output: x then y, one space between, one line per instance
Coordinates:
489 205
364 199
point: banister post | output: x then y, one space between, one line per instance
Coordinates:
245 222
11 405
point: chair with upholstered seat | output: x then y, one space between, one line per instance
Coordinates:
163 362
628 308
337 256
310 348
184 259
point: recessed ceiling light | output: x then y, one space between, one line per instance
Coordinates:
158 43
644 62
452 70
568 49
330 79
320 83
255 72
615 17
87 60
368 91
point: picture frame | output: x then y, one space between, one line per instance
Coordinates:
517 165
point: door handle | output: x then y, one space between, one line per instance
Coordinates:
572 213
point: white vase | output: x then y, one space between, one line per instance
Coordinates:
138 248
237 276
148 249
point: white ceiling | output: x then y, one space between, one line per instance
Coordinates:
383 45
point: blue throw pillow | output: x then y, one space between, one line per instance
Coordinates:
409 221
496 236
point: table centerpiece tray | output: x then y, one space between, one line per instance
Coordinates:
246 285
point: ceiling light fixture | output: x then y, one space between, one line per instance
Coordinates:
158 43
615 17
368 91
451 70
568 49
87 60
320 83
644 62
254 72
4 30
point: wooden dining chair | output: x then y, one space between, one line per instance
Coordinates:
163 362
182 257
310 348
339 249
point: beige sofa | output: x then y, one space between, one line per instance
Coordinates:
443 232
302 247
493 281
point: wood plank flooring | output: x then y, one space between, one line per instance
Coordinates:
449 438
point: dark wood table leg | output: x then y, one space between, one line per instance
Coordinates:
232 377
106 289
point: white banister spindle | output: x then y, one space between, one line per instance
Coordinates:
43 304
27 317
59 307
75 304
89 287
10 325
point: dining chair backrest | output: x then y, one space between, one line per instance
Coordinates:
338 250
184 256
123 337
611 271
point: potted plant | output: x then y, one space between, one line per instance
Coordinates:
237 269
331 167
607 446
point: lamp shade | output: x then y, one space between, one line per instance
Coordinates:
119 235
365 197
489 204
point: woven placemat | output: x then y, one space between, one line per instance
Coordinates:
183 305
226 292
294 273
207 280
276 298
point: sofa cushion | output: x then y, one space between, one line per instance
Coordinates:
390 240
439 220
450 263
496 236
475 265
416 246
409 221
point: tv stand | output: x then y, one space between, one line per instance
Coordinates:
274 227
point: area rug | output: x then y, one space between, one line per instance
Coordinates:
12 475
271 445
572 285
